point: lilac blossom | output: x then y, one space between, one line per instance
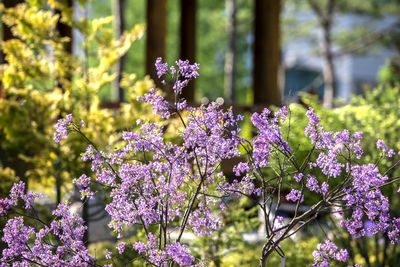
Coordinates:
365 199
269 136
328 251
298 177
17 192
295 195
62 128
179 184
69 230
312 184
161 67
182 73
84 183
381 145
161 106
121 247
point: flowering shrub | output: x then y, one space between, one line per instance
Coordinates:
326 252
169 188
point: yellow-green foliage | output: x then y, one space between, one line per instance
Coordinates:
43 83
7 178
297 253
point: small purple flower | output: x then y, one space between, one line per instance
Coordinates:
241 167
298 177
328 251
121 247
358 135
161 67
295 195
62 128
324 188
381 144
312 184
180 254
160 105
108 254
179 85
83 181
186 70
181 105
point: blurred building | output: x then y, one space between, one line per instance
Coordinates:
353 70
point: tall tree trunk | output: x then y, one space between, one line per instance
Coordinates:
156 32
266 52
188 41
329 69
385 249
119 27
65 31
230 56
363 249
325 14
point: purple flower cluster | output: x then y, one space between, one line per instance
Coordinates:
62 128
212 133
366 201
176 184
203 221
394 232
175 251
363 196
295 195
328 251
161 106
182 73
162 68
269 135
84 182
380 144
17 192
168 177
332 146
25 246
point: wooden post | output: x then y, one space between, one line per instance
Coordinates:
230 55
119 27
65 31
188 41
266 52
156 33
